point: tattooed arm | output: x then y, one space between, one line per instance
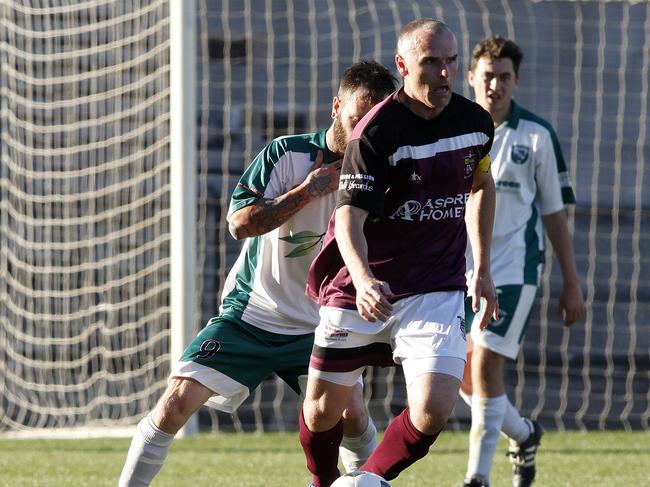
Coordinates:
268 214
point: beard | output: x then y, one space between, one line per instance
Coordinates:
340 137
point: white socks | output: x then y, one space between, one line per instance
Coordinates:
354 451
146 455
514 426
487 419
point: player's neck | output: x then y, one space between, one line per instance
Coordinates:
331 143
417 107
500 116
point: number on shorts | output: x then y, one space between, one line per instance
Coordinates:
208 349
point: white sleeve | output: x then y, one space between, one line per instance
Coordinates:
549 191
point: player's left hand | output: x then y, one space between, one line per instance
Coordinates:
572 305
323 179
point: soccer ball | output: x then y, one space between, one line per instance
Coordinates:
359 478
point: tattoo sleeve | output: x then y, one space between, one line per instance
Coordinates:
269 214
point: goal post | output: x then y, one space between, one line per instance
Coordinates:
183 178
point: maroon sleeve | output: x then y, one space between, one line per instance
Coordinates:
364 176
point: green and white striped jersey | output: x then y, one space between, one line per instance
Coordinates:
266 286
531 180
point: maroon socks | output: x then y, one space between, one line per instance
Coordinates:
324 447
401 446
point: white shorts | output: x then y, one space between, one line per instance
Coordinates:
426 333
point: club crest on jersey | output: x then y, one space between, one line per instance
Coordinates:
519 153
415 178
470 163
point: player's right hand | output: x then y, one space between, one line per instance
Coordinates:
321 179
571 306
372 300
482 288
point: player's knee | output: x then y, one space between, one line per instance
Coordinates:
356 405
319 415
355 420
173 409
429 421
430 415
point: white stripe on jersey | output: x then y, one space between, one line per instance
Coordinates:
443 145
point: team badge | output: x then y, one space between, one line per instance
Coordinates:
470 162
519 153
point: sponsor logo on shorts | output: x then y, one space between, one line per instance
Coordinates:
503 314
334 333
462 327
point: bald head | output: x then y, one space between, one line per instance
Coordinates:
407 41
427 59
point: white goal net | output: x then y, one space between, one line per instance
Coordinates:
84 212
85 191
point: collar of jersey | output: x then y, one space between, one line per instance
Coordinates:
515 115
320 141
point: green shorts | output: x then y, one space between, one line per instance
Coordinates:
232 358
504 336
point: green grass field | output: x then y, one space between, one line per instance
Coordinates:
275 460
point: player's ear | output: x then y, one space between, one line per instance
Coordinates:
336 106
401 65
470 78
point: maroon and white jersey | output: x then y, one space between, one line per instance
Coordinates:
414 177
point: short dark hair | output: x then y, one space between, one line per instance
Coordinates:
496 47
432 25
368 74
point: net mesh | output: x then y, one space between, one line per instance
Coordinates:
84 192
84 213
274 70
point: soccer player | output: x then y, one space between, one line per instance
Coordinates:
391 274
266 323
532 182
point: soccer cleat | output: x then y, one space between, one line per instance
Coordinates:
476 482
522 457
